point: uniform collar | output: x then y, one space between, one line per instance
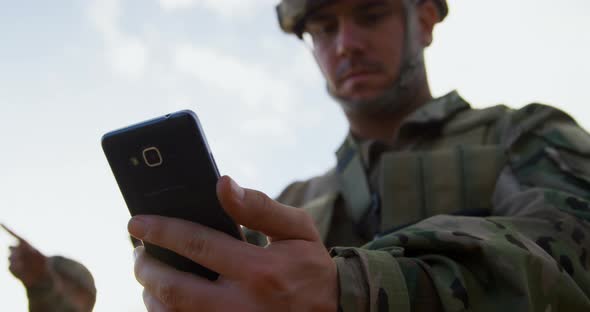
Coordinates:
436 111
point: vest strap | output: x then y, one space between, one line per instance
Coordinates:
353 181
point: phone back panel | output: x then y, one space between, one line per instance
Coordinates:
164 167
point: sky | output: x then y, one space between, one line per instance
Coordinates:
72 70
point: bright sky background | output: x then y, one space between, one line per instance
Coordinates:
71 70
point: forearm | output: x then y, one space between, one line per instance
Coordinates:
532 255
470 263
376 281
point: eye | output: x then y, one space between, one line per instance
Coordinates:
322 29
373 17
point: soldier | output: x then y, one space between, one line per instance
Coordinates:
438 206
54 283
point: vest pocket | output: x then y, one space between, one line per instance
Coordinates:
417 185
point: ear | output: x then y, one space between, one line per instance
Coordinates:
428 16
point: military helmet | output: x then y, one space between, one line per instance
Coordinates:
74 272
292 13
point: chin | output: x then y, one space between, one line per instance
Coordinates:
361 97
362 92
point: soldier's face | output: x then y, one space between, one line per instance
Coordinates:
358 45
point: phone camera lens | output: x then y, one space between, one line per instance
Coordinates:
152 157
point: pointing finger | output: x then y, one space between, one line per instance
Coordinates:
12 233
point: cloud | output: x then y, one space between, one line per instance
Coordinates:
128 57
294 58
226 8
268 105
254 86
274 128
126 54
104 14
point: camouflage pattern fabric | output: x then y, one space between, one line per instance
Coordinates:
530 251
291 13
46 296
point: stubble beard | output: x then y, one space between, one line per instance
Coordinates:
402 94
397 98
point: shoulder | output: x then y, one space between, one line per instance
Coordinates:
511 126
547 123
73 271
545 147
475 117
299 193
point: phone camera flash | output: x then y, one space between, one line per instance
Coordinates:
134 161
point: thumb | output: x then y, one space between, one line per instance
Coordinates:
255 210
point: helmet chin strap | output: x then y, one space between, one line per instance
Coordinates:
396 97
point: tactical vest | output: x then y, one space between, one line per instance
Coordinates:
455 174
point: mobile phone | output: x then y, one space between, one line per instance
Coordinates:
164 167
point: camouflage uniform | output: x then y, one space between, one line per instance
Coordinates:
46 296
469 210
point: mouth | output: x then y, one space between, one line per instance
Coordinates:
356 76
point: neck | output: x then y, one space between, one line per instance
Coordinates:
385 126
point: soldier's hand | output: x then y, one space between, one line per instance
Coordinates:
26 263
293 273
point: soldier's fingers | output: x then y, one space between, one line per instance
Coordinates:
175 289
14 256
259 212
210 248
16 267
22 249
152 304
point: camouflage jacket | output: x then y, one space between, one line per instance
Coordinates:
48 294
469 210
46 297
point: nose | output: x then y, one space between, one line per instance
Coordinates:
349 39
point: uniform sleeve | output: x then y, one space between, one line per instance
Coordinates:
530 255
45 296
